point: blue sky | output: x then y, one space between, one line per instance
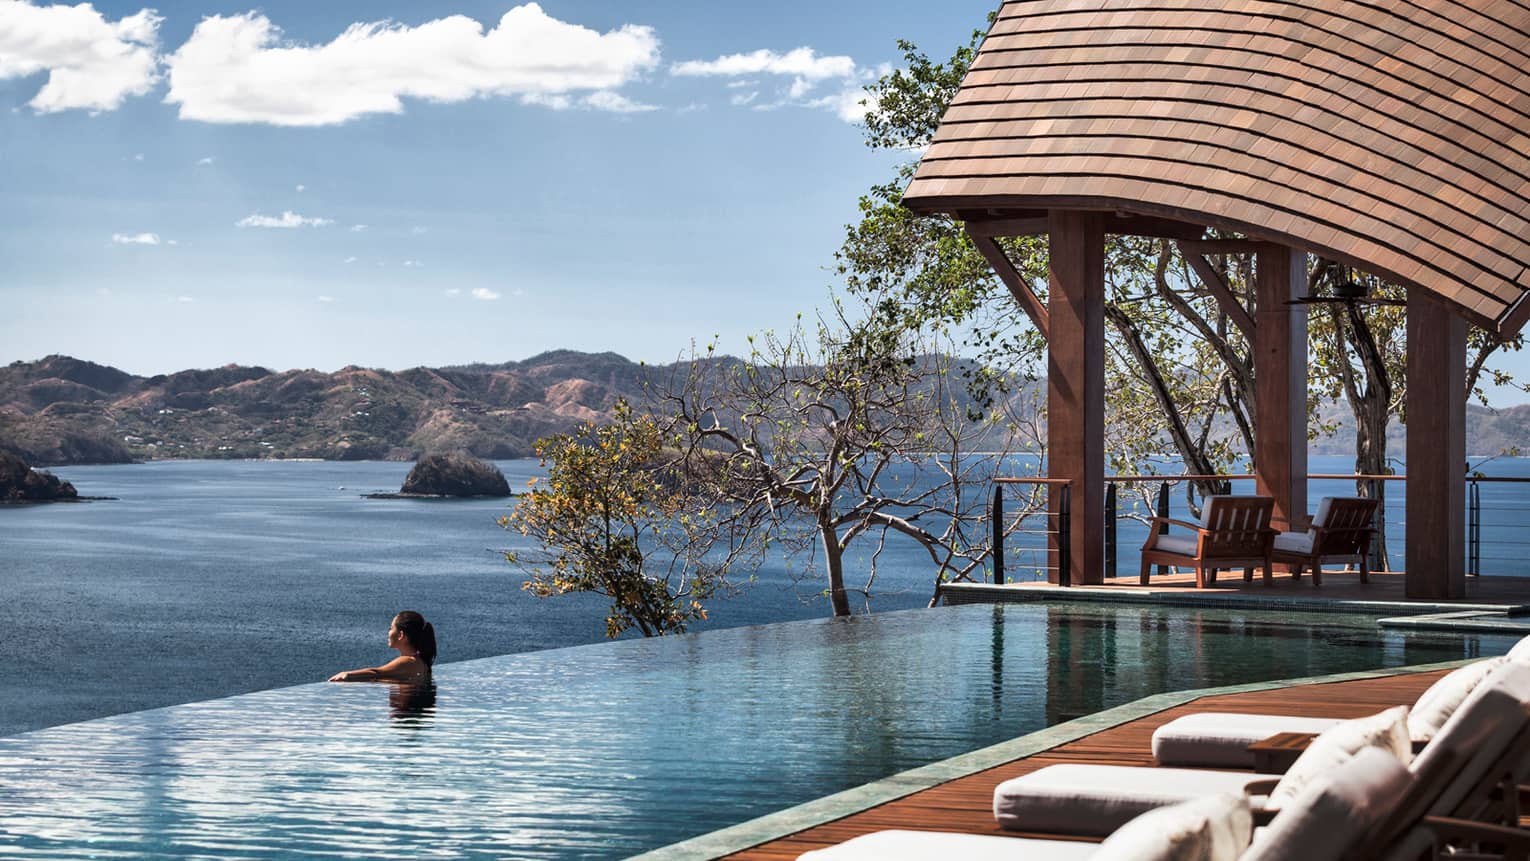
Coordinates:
210 182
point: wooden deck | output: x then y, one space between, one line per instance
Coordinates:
1337 586
966 804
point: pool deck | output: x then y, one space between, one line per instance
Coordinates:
964 803
957 795
1491 603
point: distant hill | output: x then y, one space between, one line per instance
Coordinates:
61 410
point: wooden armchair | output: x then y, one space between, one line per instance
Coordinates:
1234 532
1341 532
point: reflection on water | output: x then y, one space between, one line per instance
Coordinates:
609 750
412 705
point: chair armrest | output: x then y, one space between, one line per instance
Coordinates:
1515 841
1159 521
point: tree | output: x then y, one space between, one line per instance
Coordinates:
617 516
819 441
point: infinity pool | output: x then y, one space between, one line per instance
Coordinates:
608 750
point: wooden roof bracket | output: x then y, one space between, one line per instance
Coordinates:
1218 287
1018 286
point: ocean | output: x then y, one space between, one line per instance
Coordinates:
205 579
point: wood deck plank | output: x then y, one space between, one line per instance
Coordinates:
965 804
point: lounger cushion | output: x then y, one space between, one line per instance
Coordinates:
1387 730
1221 740
1477 735
1436 705
1336 810
1294 542
1185 545
1098 799
1214 828
1521 651
940 846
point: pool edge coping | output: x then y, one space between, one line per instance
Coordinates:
783 823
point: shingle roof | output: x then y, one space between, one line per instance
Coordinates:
1393 135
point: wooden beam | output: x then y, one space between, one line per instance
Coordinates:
1124 224
1018 286
1436 449
1076 385
1280 383
1218 288
1006 227
1230 246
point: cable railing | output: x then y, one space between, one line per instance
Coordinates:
1497 512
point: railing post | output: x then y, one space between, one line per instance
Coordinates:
1065 536
997 513
1110 529
1474 528
1163 511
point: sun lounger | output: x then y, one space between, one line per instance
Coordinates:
1484 743
1334 815
1222 739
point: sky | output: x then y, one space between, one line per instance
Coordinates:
391 184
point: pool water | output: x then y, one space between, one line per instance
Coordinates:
604 751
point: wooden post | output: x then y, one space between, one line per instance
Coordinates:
1076 385
1280 384
1436 507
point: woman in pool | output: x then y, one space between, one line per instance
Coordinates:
415 641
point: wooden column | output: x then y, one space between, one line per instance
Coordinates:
1076 384
1280 384
1436 449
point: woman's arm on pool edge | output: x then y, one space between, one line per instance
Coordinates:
400 669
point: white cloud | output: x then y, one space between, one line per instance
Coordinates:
739 85
799 62
326 299
288 219
454 291
184 299
606 100
138 156
742 99
485 294
239 69
93 64
411 263
171 242
350 260
417 230
301 187
136 239
205 160
847 104
358 228
517 292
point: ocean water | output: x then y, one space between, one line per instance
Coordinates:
211 578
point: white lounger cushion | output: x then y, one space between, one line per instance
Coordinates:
1214 828
1184 545
1386 730
1336 810
1520 652
1098 799
1436 705
1221 739
1479 733
941 846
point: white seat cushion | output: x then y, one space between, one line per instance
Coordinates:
1294 542
1221 740
1335 811
1436 705
1181 544
1214 828
1477 735
1387 730
1098 799
940 846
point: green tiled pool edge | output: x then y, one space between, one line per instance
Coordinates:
841 804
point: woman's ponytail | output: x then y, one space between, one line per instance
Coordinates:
427 645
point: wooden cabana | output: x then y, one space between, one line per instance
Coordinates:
1388 137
